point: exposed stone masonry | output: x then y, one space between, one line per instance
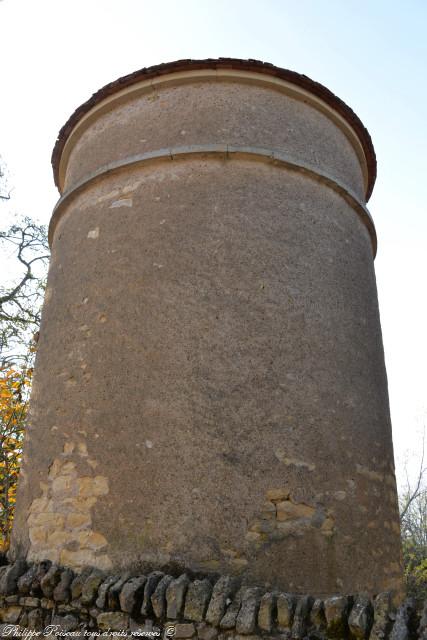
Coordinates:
281 516
33 597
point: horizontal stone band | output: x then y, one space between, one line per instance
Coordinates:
226 152
198 608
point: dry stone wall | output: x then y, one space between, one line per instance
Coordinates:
48 599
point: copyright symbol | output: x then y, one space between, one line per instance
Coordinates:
170 631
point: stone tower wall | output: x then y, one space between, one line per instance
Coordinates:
210 388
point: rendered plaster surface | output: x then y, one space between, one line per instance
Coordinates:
210 370
216 112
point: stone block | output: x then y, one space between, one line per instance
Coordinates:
223 590
10 576
151 583
266 612
101 600
10 614
336 613
301 617
36 620
247 617
62 591
113 621
361 617
317 616
29 601
184 630
90 588
66 623
228 621
382 616
132 593
197 600
113 593
50 580
206 632
175 596
286 603
402 625
158 599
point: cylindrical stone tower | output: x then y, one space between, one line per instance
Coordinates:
210 388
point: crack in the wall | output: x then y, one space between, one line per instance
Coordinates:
60 522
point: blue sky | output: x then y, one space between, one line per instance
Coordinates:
373 55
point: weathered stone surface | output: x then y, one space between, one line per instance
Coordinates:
10 614
113 593
50 580
223 590
336 613
301 616
10 576
26 580
64 608
402 625
36 620
247 617
41 569
158 599
90 588
317 616
62 591
12 599
23 620
101 599
206 632
175 596
382 621
297 618
266 611
132 593
184 630
228 621
78 583
197 600
29 601
66 623
361 617
45 603
286 603
114 620
151 583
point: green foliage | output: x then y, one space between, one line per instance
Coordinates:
415 570
14 391
413 522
